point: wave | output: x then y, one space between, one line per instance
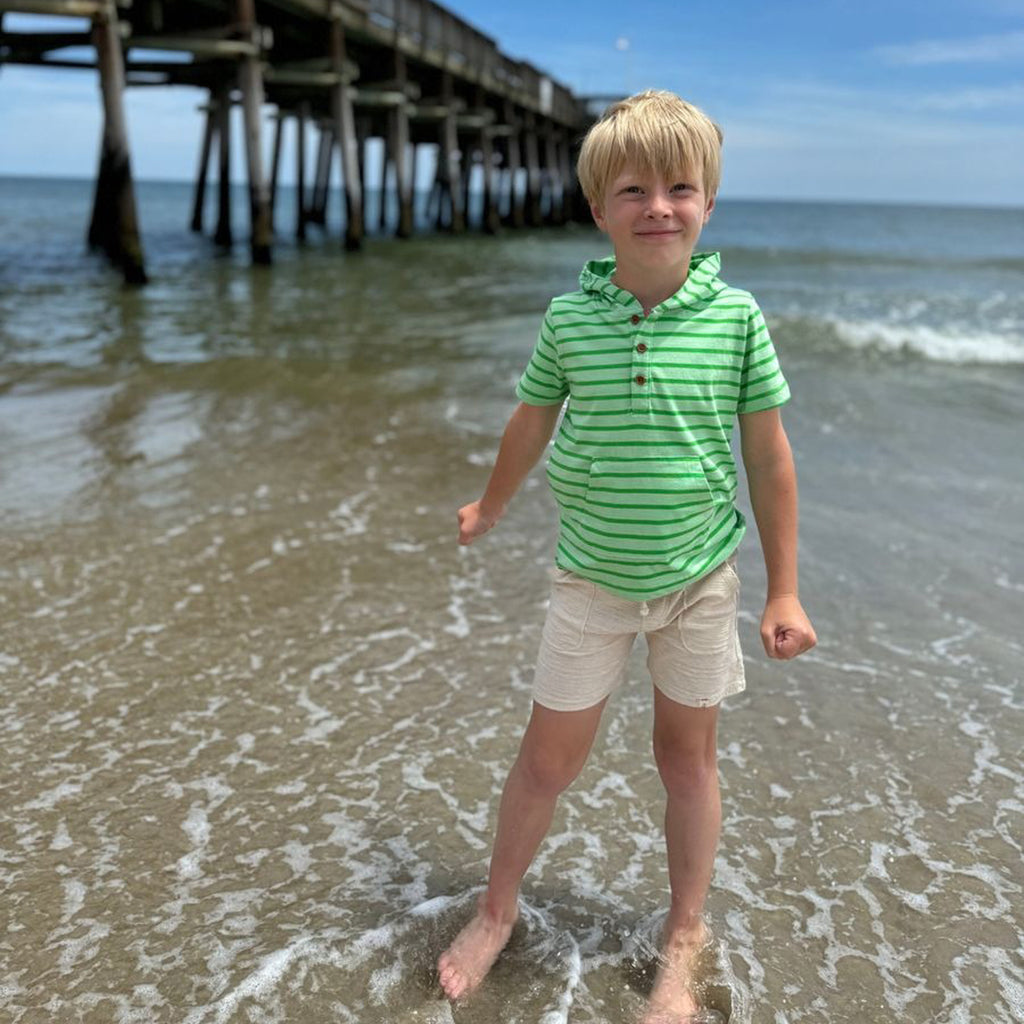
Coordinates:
868 257
960 345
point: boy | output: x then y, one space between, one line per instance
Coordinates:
657 356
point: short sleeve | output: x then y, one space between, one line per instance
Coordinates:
762 385
543 382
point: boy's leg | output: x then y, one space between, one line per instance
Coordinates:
685 749
553 750
685 752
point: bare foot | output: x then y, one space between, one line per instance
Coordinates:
672 998
465 963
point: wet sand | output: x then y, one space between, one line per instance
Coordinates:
258 706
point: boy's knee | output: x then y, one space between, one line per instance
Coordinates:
685 770
548 772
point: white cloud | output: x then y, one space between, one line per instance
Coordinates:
973 99
809 104
980 49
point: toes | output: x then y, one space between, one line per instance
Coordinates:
451 981
454 987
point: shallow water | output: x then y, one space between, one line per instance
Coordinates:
259 706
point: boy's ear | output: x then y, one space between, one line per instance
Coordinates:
595 212
708 209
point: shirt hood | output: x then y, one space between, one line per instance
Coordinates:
701 285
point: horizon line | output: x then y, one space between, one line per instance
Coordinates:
836 200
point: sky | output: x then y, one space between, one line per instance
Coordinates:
857 100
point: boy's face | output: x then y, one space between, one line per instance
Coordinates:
654 222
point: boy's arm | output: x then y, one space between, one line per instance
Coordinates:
527 435
785 629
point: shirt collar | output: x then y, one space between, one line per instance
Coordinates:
702 282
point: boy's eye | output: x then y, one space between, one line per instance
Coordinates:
680 185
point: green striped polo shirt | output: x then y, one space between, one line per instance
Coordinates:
642 467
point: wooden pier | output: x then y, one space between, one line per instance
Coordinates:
407 72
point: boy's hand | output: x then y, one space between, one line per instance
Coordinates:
473 522
785 629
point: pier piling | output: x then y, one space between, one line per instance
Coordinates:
345 133
398 129
204 166
552 176
275 164
533 182
301 120
490 220
448 161
223 235
516 217
321 186
114 227
250 79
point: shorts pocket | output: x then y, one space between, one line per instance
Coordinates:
707 624
656 509
569 609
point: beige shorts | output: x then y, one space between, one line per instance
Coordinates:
693 645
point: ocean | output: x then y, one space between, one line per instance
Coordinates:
258 705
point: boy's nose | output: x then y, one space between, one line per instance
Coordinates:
658 206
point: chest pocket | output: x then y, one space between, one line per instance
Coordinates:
658 509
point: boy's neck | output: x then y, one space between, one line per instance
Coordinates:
648 288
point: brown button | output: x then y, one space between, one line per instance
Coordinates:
635 318
641 347
641 379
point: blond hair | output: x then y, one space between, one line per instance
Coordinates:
653 130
